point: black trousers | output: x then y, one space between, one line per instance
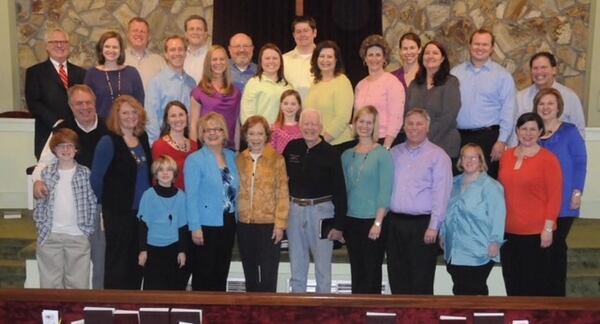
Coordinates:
184 273
121 269
260 256
470 280
161 267
558 274
411 262
212 260
366 255
526 266
485 138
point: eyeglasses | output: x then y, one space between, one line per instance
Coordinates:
65 146
212 130
470 157
241 46
58 42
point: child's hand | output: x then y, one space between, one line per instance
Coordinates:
142 257
181 259
197 237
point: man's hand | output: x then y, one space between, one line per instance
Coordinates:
430 236
40 190
497 150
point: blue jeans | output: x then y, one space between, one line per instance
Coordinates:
303 235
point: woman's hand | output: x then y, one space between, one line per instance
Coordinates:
493 250
142 257
198 237
374 232
277 235
546 239
575 201
181 259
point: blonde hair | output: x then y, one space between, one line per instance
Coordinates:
367 110
217 118
113 122
483 165
164 162
207 74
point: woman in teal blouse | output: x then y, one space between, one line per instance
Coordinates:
368 171
474 226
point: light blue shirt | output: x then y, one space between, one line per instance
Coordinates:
166 86
475 219
369 178
488 97
163 216
239 77
572 113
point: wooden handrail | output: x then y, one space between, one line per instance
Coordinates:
303 300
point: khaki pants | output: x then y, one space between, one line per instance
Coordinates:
64 262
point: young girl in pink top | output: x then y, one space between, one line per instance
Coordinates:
286 126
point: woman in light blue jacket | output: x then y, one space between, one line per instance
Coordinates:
212 184
474 226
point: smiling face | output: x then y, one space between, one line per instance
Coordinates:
138 35
547 108
529 133
270 62
416 127
213 134
409 51
470 161
218 61
375 59
240 49
432 58
175 53
196 33
365 125
111 49
83 106
481 48
310 126
256 136
177 118
128 117
57 46
289 107
304 35
542 72
165 176
65 152
326 60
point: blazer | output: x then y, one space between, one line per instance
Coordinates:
47 99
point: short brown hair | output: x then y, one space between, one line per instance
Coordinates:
254 120
477 148
100 45
183 40
482 31
195 17
259 71
217 118
304 19
113 122
375 41
63 135
549 91
140 20
164 161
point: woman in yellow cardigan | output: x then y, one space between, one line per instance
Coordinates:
263 206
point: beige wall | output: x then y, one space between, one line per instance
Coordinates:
9 80
593 82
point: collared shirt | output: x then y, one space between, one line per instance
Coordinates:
194 62
261 97
572 113
148 65
166 86
57 64
488 96
239 77
422 181
296 69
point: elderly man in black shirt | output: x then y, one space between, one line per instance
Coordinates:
318 192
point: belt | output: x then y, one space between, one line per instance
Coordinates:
480 129
310 201
409 216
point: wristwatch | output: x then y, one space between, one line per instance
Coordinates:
576 193
377 223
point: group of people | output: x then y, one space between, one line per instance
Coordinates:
159 165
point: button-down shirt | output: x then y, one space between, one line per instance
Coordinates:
422 181
296 69
572 113
194 62
488 96
148 65
239 77
166 86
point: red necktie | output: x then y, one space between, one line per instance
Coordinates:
63 75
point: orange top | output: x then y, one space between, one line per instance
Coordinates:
532 193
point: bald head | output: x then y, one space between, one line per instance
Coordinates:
240 49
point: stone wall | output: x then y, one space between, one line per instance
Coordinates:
86 20
521 28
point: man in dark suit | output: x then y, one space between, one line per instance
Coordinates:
46 86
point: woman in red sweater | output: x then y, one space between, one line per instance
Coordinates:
532 180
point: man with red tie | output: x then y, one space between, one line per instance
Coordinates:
46 86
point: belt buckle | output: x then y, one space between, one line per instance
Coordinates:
304 203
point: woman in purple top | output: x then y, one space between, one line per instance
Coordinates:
216 93
110 78
410 47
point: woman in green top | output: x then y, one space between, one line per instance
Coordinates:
368 171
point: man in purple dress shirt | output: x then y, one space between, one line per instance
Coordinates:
422 186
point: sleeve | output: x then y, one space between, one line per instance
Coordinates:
508 101
34 98
249 102
343 100
89 79
577 116
46 158
192 171
142 234
102 159
553 182
496 209
340 202
578 153
137 85
450 105
152 106
386 180
394 106
283 197
441 189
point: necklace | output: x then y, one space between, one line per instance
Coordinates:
110 88
183 147
169 209
138 159
356 179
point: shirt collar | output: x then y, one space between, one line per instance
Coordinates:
87 130
133 53
486 65
57 64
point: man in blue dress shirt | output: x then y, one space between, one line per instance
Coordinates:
488 96
241 66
